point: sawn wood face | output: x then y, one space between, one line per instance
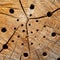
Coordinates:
29 29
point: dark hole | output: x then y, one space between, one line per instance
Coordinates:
22 25
30 14
37 30
25 54
31 32
5 46
22 44
53 34
4 29
23 30
18 36
32 6
44 53
31 43
49 14
29 24
36 20
44 36
17 19
58 58
11 11
12 40
15 28
44 25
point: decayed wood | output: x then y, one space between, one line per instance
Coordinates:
30 30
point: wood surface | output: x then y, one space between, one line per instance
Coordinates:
30 30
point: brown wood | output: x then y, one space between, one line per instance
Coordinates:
24 30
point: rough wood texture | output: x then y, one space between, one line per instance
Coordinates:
30 29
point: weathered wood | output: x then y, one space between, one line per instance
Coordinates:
30 29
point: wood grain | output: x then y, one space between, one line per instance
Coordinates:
38 35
